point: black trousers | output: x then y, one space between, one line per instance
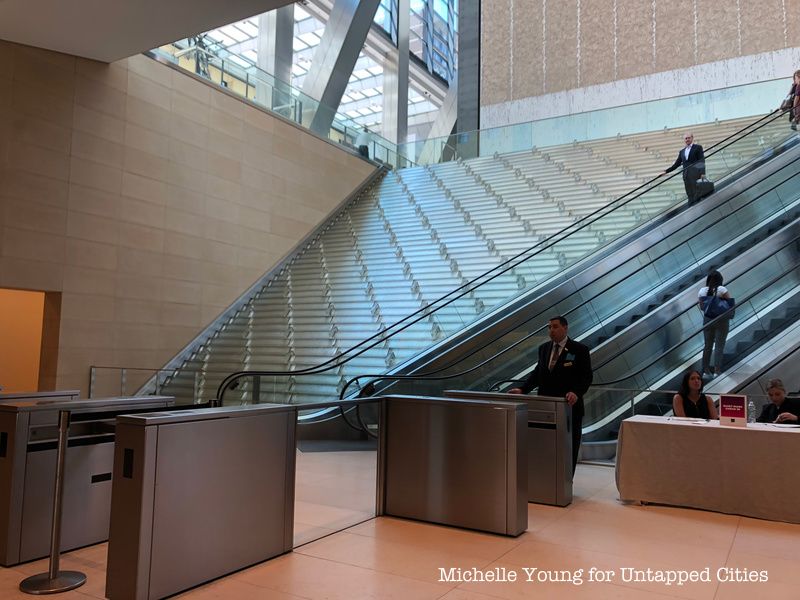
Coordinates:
690 176
577 426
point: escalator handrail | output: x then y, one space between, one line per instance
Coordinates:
539 247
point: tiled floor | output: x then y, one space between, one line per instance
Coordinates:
393 558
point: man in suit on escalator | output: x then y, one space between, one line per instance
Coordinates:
563 370
693 161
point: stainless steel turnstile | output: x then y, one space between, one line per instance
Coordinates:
198 494
28 434
549 444
56 396
456 462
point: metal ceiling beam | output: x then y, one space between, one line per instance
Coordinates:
274 47
379 45
335 57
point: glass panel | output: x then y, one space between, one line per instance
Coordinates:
220 66
745 101
336 474
106 382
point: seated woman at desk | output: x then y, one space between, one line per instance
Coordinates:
690 401
779 409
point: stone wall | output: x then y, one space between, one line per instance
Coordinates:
148 200
532 51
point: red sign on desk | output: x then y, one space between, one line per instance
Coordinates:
733 410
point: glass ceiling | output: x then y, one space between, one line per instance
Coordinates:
363 98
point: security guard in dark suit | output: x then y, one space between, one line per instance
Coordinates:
564 370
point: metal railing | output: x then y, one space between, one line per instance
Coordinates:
122 377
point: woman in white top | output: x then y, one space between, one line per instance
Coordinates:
715 334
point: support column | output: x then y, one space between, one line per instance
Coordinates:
469 66
275 54
395 80
336 56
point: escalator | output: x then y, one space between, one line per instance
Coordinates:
603 295
638 310
776 360
765 280
619 288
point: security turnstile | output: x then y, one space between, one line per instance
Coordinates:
549 444
199 494
28 434
454 461
56 396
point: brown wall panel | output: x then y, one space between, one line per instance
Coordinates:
724 30
674 35
597 41
762 26
561 45
793 23
495 51
717 32
123 190
527 49
634 38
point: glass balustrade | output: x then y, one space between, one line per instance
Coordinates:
220 66
262 88
734 102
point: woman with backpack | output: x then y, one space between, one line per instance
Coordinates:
714 301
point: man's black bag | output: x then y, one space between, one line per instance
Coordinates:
703 188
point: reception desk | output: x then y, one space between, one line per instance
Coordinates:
702 464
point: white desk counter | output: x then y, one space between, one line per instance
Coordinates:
749 471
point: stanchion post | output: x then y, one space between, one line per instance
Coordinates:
55 581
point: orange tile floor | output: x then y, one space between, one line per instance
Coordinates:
394 558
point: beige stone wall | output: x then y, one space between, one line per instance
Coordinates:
535 47
148 199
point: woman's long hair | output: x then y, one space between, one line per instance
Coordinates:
713 281
683 391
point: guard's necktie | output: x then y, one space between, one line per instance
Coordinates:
554 356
